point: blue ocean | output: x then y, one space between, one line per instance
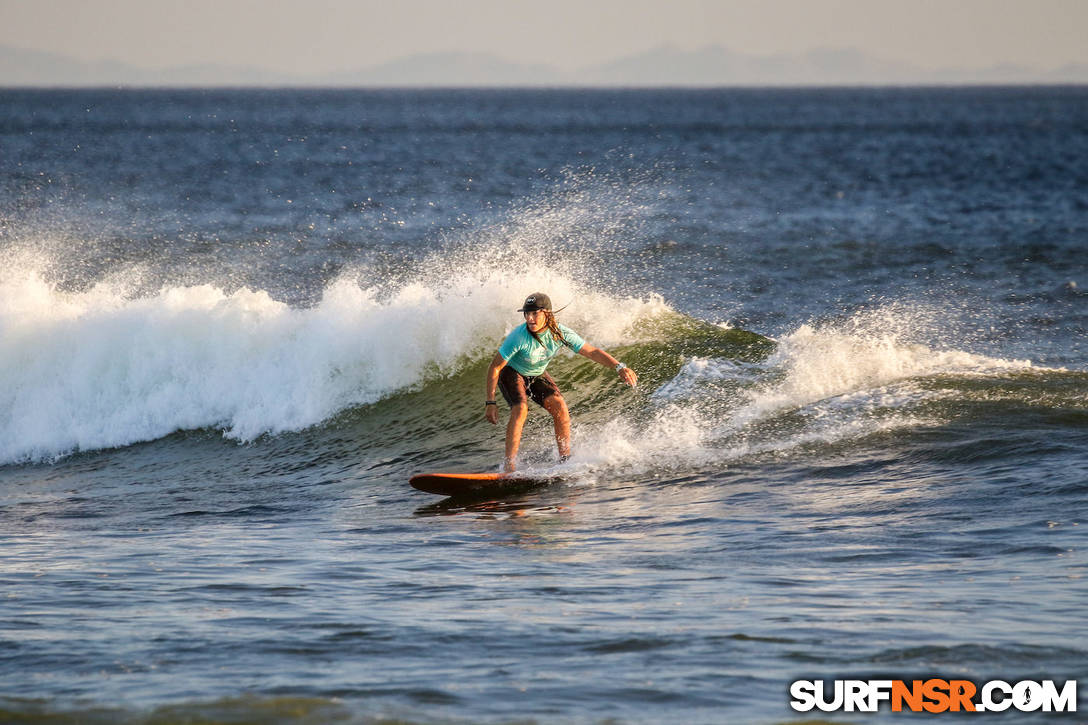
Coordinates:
234 323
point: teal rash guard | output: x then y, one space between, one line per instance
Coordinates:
529 357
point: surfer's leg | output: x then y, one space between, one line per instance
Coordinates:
555 405
512 387
518 413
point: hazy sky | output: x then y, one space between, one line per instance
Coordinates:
313 36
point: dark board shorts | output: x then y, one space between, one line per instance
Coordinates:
516 388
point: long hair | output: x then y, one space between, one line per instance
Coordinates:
552 326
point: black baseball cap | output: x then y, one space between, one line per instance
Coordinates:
537 301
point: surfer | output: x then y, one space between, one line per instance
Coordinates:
518 370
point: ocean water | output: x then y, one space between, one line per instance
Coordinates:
233 323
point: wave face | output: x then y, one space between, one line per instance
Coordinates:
104 367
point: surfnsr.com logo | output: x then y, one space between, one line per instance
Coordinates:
933 695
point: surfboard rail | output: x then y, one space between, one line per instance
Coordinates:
476 484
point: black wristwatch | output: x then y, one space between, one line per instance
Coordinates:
490 402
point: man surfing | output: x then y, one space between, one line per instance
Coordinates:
518 370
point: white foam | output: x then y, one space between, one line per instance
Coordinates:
824 384
863 355
101 368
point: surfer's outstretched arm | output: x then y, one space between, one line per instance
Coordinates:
598 355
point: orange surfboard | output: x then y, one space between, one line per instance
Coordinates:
476 484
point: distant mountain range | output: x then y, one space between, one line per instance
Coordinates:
662 66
